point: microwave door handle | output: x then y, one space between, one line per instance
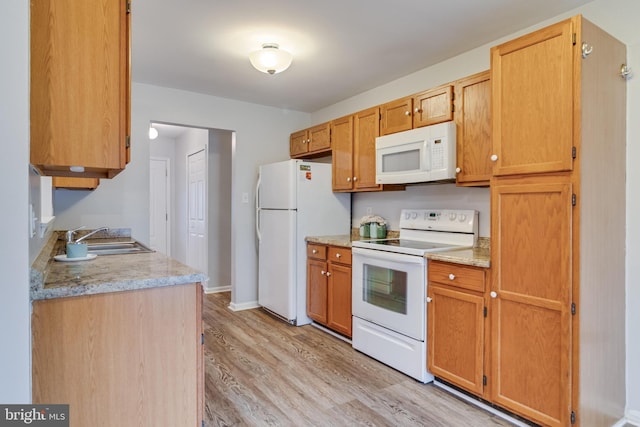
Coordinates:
428 144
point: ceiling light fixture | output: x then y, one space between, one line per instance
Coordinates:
270 59
153 132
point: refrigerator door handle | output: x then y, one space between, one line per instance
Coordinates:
258 236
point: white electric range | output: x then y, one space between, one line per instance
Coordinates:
389 284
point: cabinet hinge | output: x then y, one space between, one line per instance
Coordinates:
485 312
484 380
573 152
128 6
573 308
573 200
573 417
573 39
127 141
202 339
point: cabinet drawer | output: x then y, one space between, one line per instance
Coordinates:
462 276
316 251
340 255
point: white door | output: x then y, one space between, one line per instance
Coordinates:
196 211
159 203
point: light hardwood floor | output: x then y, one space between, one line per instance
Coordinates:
260 371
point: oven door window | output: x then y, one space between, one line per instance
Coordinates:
385 288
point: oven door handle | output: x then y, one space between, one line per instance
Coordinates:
387 256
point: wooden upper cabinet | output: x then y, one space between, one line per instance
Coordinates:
532 94
342 154
320 137
473 130
396 116
298 143
366 125
75 183
433 106
80 87
311 142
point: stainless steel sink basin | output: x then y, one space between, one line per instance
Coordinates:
117 248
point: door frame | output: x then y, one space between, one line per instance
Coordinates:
169 181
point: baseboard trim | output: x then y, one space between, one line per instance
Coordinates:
633 417
481 405
217 289
244 306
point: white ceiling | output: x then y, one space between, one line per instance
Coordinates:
340 47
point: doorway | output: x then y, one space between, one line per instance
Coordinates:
199 212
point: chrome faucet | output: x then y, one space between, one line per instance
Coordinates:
70 233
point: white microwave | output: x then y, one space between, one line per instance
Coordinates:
418 155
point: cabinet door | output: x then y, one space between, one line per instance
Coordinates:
533 109
367 129
532 262
342 153
80 86
396 116
298 143
75 183
473 129
317 290
433 106
339 316
320 137
455 336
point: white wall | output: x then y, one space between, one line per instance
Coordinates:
15 336
633 234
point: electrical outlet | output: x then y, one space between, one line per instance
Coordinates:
369 211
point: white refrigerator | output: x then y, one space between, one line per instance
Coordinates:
293 200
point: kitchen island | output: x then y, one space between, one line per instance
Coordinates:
118 338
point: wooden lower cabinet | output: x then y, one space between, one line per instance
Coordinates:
329 286
132 358
456 325
531 222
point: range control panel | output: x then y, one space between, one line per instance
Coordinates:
452 220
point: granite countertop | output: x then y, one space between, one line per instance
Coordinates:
105 273
479 256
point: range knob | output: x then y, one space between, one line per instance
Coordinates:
407 215
414 215
452 216
462 218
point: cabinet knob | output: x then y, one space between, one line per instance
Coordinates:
355 178
407 113
314 251
323 272
348 179
494 157
452 276
429 299
417 110
493 294
338 255
458 170
328 274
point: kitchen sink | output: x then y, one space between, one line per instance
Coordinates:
117 248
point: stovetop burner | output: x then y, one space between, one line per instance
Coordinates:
423 230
